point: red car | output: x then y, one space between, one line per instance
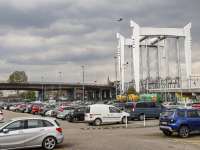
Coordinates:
196 105
64 104
35 109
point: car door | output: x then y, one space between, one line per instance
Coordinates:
35 132
115 114
15 137
193 119
159 109
150 109
80 114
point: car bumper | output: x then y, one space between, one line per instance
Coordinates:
1 118
89 121
60 116
166 128
60 140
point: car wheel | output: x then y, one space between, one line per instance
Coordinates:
124 120
167 133
97 122
22 111
66 117
49 143
75 120
141 117
184 132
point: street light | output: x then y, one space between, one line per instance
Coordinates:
60 84
42 88
83 84
116 74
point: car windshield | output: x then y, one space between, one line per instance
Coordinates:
182 104
3 124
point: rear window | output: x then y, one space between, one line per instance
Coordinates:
167 114
130 105
87 110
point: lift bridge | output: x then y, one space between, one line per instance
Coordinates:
154 51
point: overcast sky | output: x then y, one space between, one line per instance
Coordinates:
51 36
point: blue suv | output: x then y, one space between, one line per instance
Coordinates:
181 121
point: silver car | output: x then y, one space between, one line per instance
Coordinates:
27 132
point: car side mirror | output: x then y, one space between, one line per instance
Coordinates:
5 130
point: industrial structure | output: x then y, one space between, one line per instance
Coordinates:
158 50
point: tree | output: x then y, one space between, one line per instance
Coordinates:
28 95
18 76
131 90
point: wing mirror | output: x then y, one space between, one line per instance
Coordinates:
5 130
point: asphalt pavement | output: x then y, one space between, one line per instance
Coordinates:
81 136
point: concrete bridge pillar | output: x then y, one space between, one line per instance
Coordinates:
74 94
88 95
100 94
94 95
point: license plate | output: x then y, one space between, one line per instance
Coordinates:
128 111
164 122
58 113
45 114
85 115
68 116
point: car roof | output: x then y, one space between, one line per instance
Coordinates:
28 118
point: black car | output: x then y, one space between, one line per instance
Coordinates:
8 106
76 114
44 109
121 106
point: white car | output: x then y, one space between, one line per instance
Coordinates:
28 132
185 106
1 115
100 113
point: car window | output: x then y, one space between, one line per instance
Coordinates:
35 124
114 110
87 110
48 124
181 114
150 105
17 125
188 104
191 114
167 114
81 109
198 113
140 105
158 105
129 105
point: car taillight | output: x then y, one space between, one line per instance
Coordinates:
172 119
71 113
133 107
90 115
59 130
62 109
41 109
54 112
1 113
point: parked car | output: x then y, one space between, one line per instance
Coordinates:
100 113
3 105
120 106
171 105
26 132
35 109
138 109
64 104
22 106
1 115
196 105
53 112
30 107
182 121
7 107
63 112
14 107
76 115
185 106
44 109
113 102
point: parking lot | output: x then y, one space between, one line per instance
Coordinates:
81 136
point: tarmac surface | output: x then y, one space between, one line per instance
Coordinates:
81 136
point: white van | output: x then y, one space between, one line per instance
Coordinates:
101 113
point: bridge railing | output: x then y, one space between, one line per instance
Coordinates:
56 83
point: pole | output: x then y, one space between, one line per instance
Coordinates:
42 88
83 85
116 75
60 85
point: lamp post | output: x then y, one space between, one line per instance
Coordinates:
116 75
60 84
83 85
42 88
